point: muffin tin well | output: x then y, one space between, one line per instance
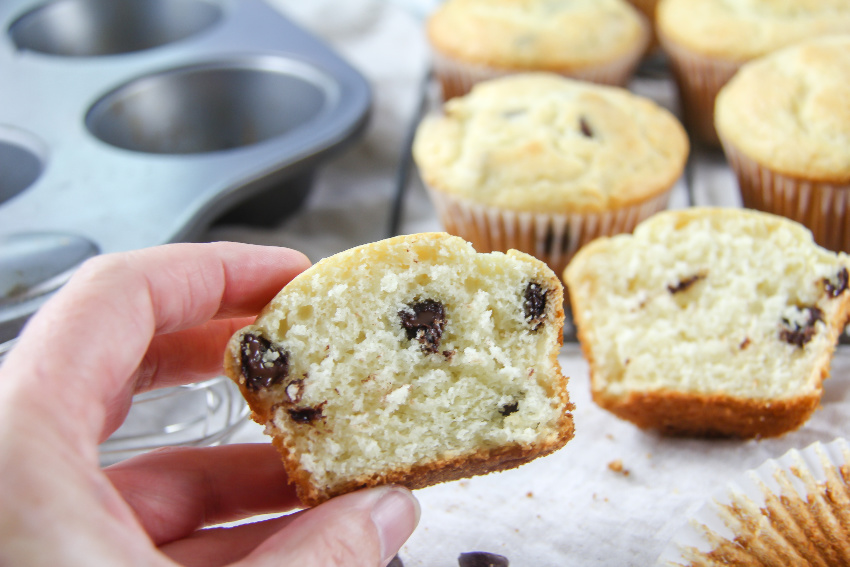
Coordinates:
132 123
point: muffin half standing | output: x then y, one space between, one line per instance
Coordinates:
710 322
413 360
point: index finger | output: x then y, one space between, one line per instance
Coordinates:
81 350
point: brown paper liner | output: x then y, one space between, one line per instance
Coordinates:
823 208
551 237
458 77
793 510
699 79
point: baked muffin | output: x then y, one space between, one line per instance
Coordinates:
412 360
784 121
594 40
544 164
710 322
708 40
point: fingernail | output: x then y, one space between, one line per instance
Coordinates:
395 516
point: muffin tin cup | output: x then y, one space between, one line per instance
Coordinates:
458 77
699 79
551 237
793 510
823 208
126 124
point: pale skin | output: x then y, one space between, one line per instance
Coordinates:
131 322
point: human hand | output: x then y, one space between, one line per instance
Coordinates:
131 322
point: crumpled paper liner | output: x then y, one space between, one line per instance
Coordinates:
794 510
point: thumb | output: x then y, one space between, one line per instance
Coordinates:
360 529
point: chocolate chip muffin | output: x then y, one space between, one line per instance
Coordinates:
784 123
413 360
544 164
708 40
710 322
592 40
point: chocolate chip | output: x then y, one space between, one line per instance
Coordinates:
425 321
508 409
585 127
795 334
263 365
685 283
839 287
396 562
535 304
305 415
482 559
745 343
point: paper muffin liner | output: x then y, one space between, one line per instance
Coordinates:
823 208
794 510
553 238
699 79
457 77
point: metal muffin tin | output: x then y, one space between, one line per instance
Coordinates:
131 123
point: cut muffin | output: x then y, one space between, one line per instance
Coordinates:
710 322
413 360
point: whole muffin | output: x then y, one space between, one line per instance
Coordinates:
784 121
707 41
475 40
544 164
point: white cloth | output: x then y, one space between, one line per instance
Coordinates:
572 508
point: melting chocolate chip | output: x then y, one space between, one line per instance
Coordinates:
535 304
396 562
263 364
799 335
425 321
482 559
685 283
305 415
585 127
840 286
508 409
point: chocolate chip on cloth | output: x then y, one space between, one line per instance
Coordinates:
340 366
482 559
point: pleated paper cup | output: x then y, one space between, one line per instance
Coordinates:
457 77
699 79
823 208
794 510
551 237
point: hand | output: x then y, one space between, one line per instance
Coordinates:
132 322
